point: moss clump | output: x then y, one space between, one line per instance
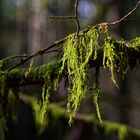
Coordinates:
115 57
77 52
135 43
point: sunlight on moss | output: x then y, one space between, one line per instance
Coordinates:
135 43
77 52
115 57
96 97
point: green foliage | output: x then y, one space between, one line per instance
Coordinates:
77 52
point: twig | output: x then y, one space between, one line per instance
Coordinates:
76 15
16 56
62 17
40 52
128 14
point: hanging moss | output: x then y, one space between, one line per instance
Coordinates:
44 108
96 94
115 57
96 97
77 52
50 74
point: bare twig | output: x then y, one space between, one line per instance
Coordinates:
128 14
76 15
62 17
16 56
40 52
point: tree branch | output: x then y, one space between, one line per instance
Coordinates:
107 126
61 41
22 76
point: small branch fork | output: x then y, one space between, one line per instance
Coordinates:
71 17
57 43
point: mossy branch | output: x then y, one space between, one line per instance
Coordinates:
22 76
80 53
109 127
123 131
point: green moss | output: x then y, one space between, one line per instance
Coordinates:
122 130
2 85
97 93
115 57
96 97
135 43
45 102
77 52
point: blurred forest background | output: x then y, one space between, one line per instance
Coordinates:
26 27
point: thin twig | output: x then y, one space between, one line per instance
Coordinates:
128 14
16 56
63 17
76 15
40 52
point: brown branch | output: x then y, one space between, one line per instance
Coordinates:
15 56
128 14
40 52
